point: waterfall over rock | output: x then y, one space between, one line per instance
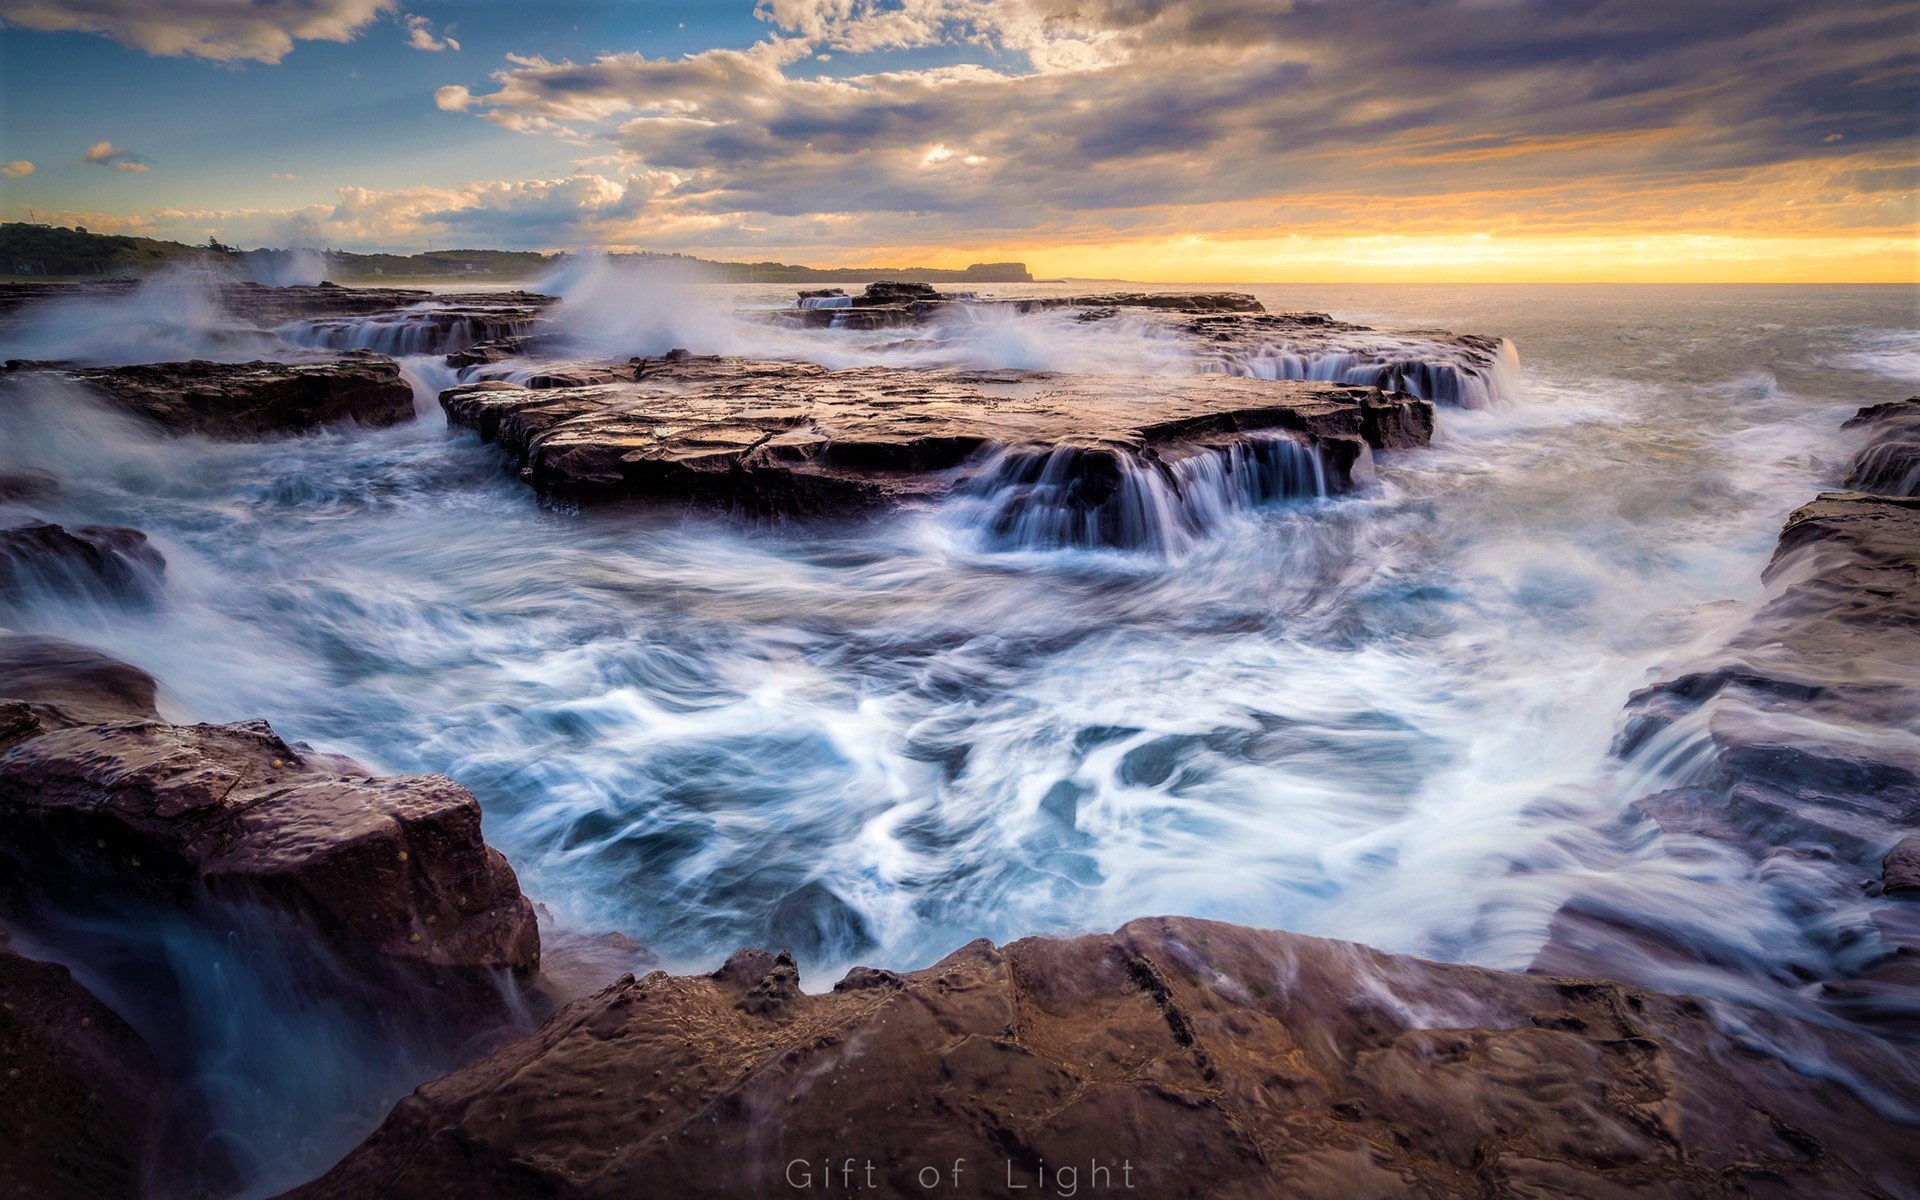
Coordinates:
1090 497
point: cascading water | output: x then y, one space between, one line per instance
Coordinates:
402 335
1085 497
1462 380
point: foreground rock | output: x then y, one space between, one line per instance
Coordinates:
1889 464
1173 1058
99 795
102 562
243 401
81 1090
789 437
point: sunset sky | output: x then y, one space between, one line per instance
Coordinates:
1226 140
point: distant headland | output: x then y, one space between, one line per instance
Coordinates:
56 252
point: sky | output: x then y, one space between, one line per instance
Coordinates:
1219 140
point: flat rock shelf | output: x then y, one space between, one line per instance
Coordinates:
791 437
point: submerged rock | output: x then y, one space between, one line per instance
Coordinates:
97 794
789 437
102 561
1173 1058
1889 464
244 401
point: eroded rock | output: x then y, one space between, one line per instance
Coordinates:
98 794
1173 1058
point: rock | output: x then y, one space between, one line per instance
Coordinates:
1229 333
888 291
790 437
441 329
275 305
1889 464
899 305
50 683
484 353
1798 706
1900 870
97 794
1175 1057
246 401
101 561
1801 753
83 1096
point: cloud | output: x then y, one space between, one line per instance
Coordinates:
282 176
100 222
420 35
452 98
19 168
106 154
1078 119
582 209
220 30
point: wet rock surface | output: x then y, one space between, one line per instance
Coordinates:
1808 710
890 304
81 1090
1227 332
791 437
1175 1057
245 401
1889 463
100 796
107 562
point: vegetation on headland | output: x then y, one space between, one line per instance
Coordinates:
55 252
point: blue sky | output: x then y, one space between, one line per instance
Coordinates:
1283 135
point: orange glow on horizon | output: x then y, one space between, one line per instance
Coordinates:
1442 258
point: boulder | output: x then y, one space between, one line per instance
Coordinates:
81 1090
107 562
246 401
1175 1058
99 795
791 437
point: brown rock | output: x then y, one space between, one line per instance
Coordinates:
1900 870
1889 464
1180 1057
106 561
793 437
92 798
82 1094
245 401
